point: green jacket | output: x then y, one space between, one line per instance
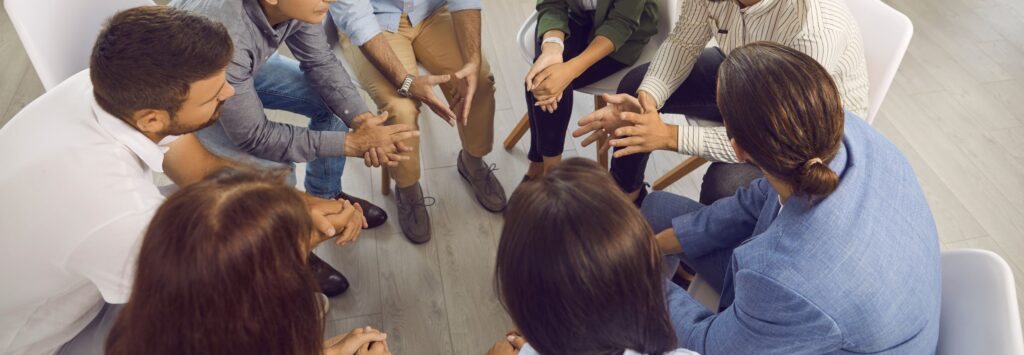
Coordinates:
629 24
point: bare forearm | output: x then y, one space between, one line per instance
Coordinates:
379 53
668 242
598 48
467 31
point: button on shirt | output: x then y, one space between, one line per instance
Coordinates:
255 40
361 20
78 193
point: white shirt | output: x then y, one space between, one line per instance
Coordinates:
77 194
822 29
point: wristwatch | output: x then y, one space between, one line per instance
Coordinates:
406 84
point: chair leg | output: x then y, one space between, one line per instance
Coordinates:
385 181
517 132
602 154
691 164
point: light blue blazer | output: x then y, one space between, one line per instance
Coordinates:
854 273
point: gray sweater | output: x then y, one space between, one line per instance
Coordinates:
255 41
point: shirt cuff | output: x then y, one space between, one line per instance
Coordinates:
332 144
459 5
658 90
691 141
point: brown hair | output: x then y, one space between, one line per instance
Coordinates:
222 270
578 269
147 57
783 109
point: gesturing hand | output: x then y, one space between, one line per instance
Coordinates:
647 133
377 144
464 90
606 120
422 89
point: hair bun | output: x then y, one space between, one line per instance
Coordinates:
816 178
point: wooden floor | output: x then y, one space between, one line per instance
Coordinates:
955 109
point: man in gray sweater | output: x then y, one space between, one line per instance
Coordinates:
314 84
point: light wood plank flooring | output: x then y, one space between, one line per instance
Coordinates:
956 110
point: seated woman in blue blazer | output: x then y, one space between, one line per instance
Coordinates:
834 251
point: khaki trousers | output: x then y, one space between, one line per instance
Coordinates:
433 44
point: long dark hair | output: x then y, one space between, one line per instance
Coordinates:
578 269
222 270
783 108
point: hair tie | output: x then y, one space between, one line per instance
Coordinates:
813 161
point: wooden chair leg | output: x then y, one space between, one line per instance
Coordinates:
517 132
385 181
678 172
602 154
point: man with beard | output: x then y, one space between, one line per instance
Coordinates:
77 182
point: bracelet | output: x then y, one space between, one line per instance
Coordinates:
557 40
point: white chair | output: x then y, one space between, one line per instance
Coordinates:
885 33
979 305
668 12
58 35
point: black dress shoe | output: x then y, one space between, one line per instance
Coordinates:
375 216
332 282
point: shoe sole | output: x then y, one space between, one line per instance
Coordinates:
466 179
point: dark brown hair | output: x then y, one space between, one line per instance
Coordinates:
222 270
147 57
783 109
578 269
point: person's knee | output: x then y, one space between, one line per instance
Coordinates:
401 110
722 180
654 208
630 83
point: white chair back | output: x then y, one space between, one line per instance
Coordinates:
979 305
886 34
58 35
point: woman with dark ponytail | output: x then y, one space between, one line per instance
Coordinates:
834 251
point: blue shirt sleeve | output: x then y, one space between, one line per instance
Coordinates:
356 19
723 224
766 317
458 5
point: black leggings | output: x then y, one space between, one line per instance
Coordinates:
547 130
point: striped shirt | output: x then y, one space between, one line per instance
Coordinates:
823 29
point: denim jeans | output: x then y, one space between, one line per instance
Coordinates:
281 85
660 208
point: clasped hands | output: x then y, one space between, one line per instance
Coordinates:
549 76
630 123
334 218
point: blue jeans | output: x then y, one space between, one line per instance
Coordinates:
282 86
660 208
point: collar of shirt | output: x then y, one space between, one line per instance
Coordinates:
256 15
150 153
